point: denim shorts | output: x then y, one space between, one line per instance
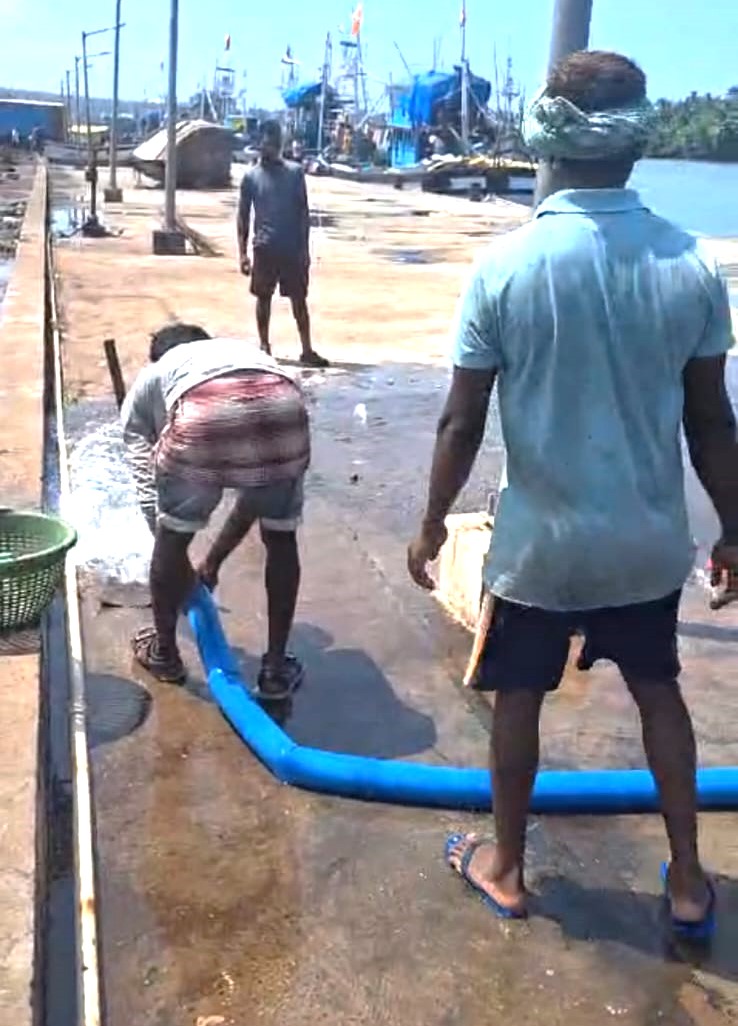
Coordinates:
186 507
528 648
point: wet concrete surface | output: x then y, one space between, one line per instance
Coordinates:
226 894
16 180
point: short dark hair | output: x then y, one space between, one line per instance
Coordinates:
272 130
597 80
174 334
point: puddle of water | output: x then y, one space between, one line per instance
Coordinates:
65 221
6 266
408 256
113 536
320 219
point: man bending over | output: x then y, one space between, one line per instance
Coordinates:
209 414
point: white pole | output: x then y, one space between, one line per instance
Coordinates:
465 104
87 101
114 125
323 87
571 22
464 84
570 32
170 202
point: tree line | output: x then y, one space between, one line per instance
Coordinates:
697 128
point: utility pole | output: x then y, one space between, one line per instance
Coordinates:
88 119
170 204
170 240
85 62
76 98
91 224
69 101
113 194
571 22
91 227
569 33
63 98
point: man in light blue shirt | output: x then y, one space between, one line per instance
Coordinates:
605 327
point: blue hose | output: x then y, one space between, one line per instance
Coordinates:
409 783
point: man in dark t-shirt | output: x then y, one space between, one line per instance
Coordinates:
281 256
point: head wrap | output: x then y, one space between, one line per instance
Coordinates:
556 127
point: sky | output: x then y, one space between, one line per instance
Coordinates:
683 45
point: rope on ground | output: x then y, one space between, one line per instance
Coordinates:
199 242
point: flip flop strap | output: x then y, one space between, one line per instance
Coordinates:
471 850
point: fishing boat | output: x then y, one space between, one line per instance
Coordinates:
439 130
75 155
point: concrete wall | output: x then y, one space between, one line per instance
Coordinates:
21 468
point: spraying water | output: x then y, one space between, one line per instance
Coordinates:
113 536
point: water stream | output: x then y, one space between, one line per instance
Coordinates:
113 537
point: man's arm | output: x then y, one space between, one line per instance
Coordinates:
460 433
712 438
477 358
304 213
140 437
244 220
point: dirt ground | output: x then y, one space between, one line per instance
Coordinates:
226 895
386 270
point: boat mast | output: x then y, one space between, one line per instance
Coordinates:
323 90
464 81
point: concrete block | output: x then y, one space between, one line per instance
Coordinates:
113 195
166 243
461 565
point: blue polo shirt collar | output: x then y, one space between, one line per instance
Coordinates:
591 201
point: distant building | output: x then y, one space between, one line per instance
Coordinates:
26 115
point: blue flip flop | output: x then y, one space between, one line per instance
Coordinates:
694 932
499 910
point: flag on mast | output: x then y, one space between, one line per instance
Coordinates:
462 15
356 19
228 42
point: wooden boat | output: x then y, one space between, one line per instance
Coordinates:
76 156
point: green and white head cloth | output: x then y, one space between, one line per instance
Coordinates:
556 127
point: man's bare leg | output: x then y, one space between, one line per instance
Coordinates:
668 739
234 530
282 579
263 320
171 581
499 868
302 319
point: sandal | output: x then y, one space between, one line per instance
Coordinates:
277 683
146 652
500 910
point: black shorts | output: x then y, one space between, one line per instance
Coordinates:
290 272
528 647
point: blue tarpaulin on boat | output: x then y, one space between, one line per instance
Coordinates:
300 94
436 89
400 111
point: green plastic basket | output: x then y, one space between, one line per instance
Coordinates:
33 547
